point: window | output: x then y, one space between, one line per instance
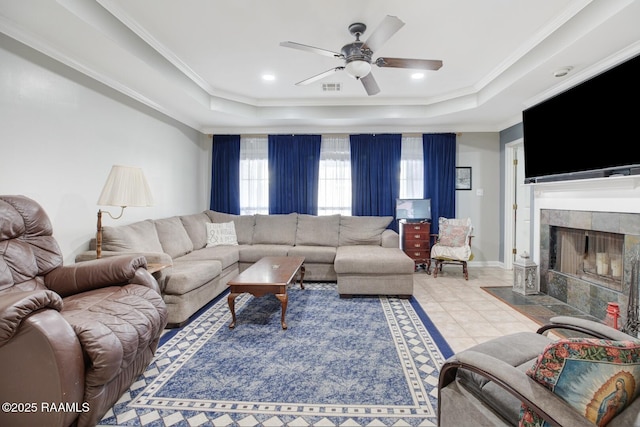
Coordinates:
254 175
411 168
334 186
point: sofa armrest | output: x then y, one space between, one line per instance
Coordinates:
99 273
16 306
390 239
549 406
151 257
588 327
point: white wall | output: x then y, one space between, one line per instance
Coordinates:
481 151
60 133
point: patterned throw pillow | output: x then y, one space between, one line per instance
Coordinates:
221 233
452 235
599 378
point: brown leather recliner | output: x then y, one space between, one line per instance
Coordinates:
72 338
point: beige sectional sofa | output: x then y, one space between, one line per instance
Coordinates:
358 252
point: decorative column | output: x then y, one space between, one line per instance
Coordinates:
525 276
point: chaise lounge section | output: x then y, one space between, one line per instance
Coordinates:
204 251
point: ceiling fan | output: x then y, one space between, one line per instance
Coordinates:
358 55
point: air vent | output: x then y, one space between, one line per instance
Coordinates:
331 87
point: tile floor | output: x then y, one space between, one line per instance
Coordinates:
462 311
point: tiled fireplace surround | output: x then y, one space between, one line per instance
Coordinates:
591 298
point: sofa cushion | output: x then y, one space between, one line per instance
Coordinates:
227 255
362 230
195 226
321 230
221 234
137 237
173 237
314 254
360 259
275 229
244 224
253 253
185 276
599 378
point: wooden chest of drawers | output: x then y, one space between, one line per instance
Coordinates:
416 237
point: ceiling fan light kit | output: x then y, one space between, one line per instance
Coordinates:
358 55
358 68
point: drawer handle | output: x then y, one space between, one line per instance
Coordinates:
416 254
417 236
416 227
417 245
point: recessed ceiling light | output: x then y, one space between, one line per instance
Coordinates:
268 77
417 76
561 72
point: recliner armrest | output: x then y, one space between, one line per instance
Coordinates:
540 399
588 327
80 277
15 306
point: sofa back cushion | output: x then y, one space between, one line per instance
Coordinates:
195 226
137 237
599 378
244 225
321 230
362 230
275 229
173 237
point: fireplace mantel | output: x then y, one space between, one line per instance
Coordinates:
591 185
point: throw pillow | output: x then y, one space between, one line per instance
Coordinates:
599 378
221 233
452 235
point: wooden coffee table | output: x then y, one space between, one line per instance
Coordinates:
270 275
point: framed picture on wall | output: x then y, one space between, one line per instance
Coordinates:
463 178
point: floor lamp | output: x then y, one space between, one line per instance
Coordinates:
125 186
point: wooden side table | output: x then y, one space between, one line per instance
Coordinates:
416 243
156 267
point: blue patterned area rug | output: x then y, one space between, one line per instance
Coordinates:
370 361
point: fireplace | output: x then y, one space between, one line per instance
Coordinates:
590 255
587 259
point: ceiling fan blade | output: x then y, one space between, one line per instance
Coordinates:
370 84
311 49
319 76
419 64
383 32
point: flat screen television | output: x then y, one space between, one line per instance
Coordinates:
413 209
588 131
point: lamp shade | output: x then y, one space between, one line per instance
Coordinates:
126 186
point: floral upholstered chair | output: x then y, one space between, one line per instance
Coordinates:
453 244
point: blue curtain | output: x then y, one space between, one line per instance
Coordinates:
375 174
439 151
225 174
294 165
